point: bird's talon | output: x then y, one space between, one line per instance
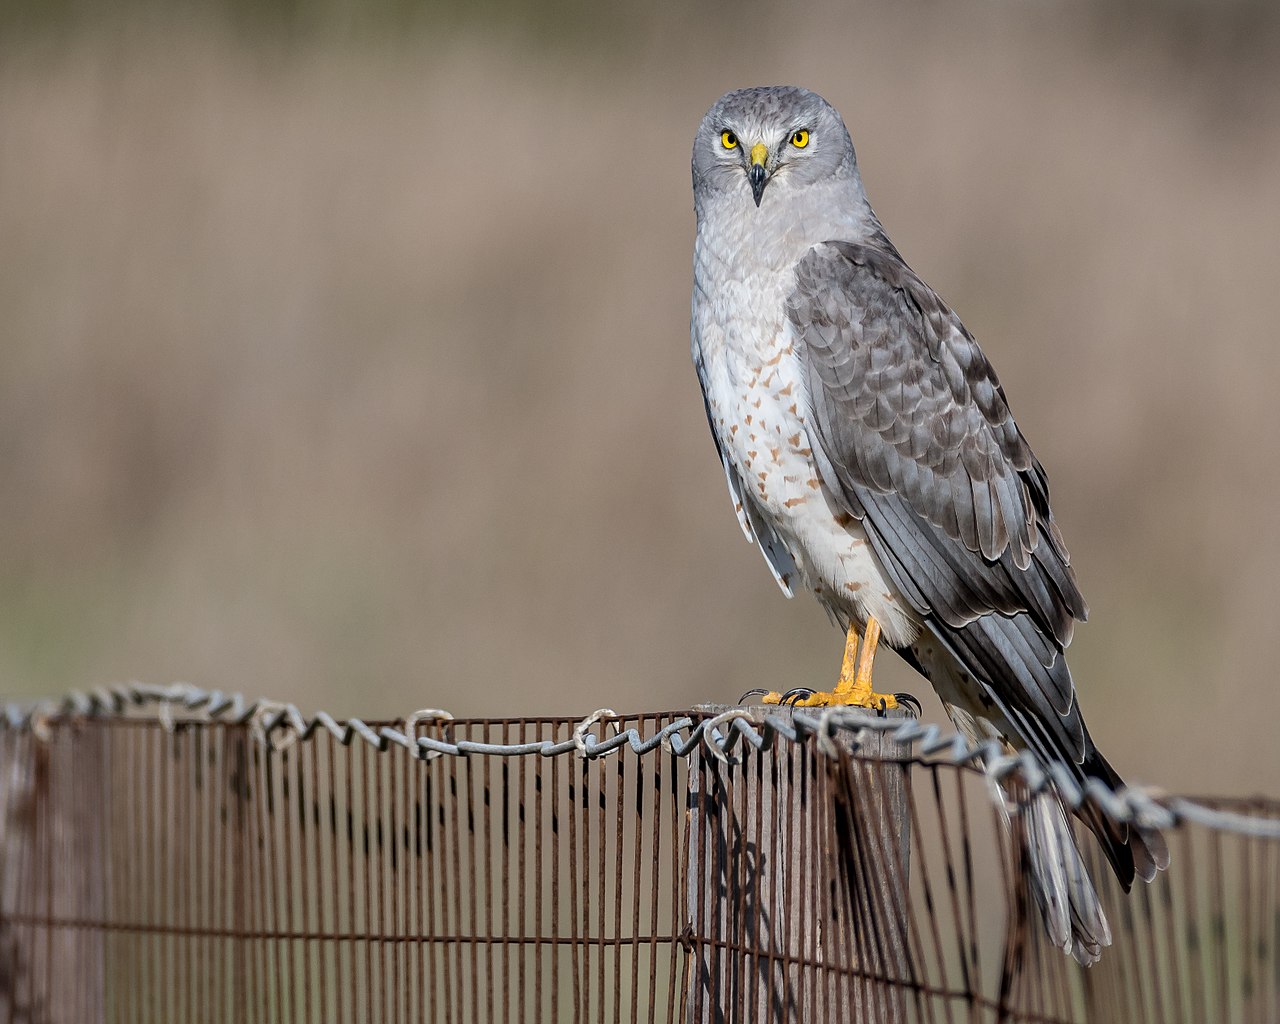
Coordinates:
754 693
910 703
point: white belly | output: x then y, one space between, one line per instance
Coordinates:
757 410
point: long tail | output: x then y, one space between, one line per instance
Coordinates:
1060 884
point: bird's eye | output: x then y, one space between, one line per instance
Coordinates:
728 140
800 139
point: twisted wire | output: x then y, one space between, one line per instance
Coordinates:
727 737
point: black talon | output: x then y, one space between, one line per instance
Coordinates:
793 695
752 693
910 702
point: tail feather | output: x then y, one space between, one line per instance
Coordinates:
1059 882
1058 879
1061 885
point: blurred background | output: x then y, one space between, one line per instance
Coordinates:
344 346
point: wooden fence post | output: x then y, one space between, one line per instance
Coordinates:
797 884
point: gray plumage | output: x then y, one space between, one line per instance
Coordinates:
870 450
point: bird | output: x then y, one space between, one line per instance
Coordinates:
871 453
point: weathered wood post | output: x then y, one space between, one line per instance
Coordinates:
797 883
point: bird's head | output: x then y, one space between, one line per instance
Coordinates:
778 137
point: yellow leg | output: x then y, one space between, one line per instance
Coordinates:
854 685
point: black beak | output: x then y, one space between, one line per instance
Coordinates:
757 178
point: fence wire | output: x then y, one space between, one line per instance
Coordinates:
168 854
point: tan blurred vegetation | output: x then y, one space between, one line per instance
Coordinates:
351 368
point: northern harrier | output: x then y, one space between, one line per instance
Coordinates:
871 453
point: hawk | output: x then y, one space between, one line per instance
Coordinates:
871 453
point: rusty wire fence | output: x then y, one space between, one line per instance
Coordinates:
171 855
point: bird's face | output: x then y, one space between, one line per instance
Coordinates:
778 138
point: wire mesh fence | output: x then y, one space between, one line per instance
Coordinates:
168 855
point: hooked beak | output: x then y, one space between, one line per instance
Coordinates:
757 174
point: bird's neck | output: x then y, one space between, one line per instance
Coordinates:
737 238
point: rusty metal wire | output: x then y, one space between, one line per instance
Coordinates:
722 735
170 854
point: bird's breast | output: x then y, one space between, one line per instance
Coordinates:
754 380
752 376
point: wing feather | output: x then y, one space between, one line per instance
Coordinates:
912 431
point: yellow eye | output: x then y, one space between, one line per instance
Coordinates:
800 139
728 140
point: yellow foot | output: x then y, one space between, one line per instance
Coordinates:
803 698
854 686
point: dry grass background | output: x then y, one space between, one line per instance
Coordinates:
353 369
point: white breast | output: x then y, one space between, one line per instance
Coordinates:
756 397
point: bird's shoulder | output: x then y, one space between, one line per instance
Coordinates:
869 285
872 325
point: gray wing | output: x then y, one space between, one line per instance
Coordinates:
911 429
754 526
